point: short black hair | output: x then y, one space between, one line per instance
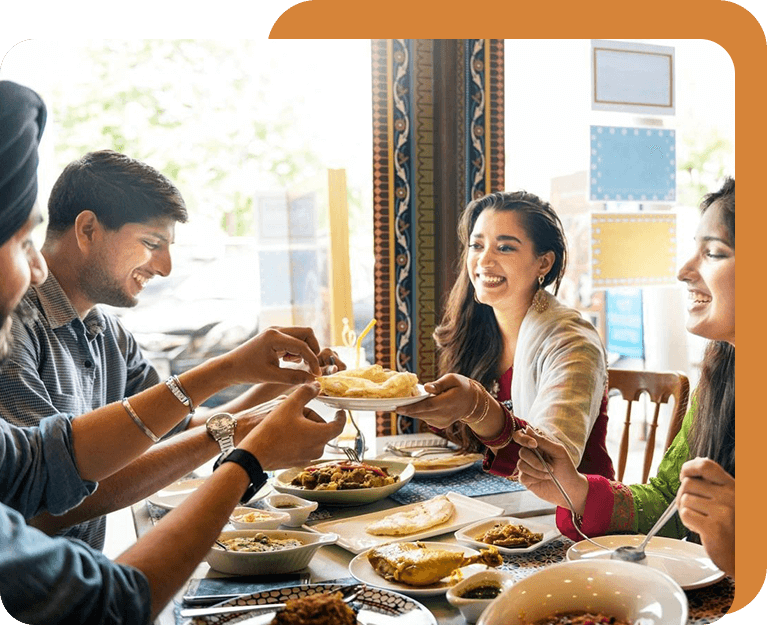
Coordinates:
117 188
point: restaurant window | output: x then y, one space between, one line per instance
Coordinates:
548 115
248 131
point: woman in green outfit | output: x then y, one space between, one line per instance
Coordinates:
700 464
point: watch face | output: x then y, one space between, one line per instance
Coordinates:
221 424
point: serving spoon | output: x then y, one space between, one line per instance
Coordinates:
631 553
628 553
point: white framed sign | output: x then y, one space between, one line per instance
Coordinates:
632 77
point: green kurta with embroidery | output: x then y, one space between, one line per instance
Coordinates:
651 500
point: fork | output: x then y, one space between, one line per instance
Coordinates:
416 453
567 498
351 454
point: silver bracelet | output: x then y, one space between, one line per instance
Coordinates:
179 393
137 420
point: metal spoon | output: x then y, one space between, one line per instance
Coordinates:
349 593
635 554
567 498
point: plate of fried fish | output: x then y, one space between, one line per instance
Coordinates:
510 535
370 388
421 569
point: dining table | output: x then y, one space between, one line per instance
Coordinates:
331 562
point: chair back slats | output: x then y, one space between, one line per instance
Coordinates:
660 387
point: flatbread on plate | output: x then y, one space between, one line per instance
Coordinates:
422 516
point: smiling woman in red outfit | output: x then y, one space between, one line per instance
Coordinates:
511 354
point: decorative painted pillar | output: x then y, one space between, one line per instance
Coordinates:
437 144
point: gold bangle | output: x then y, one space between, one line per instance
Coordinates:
137 420
485 409
476 401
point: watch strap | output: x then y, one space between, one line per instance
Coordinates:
252 467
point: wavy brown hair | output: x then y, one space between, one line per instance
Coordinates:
712 434
468 338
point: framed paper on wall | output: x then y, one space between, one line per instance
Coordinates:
633 249
632 78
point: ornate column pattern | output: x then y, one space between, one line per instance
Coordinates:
409 203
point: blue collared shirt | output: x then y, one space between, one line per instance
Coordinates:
62 364
55 580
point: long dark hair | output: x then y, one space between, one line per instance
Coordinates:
712 433
469 339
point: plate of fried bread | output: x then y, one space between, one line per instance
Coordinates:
439 465
438 515
421 569
510 535
370 388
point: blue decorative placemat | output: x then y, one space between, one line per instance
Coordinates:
472 482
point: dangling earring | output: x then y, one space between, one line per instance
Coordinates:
540 303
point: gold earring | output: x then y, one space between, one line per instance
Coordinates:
540 303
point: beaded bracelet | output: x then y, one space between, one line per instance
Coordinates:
174 385
509 427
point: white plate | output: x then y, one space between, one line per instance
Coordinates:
172 495
549 530
374 606
685 562
373 403
361 570
353 497
429 473
354 538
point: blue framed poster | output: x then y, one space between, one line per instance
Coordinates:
632 164
625 328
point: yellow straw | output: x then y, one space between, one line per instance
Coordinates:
362 336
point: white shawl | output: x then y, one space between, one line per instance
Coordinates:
560 375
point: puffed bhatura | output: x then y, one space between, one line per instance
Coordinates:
318 609
369 382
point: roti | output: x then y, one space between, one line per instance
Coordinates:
418 518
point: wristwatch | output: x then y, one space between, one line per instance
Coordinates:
221 428
252 466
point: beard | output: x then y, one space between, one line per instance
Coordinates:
102 288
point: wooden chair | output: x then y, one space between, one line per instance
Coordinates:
660 386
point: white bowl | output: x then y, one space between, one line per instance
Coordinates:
270 562
350 497
270 519
625 590
472 608
298 512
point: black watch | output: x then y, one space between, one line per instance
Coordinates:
251 465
